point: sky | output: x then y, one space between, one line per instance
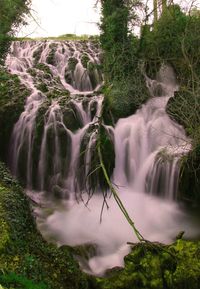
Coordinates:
58 17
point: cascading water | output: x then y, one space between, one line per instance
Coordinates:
45 68
53 150
149 144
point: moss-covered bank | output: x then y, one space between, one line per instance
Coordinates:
12 99
164 267
26 260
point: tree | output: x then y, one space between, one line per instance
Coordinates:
161 5
155 10
12 15
124 83
118 16
114 35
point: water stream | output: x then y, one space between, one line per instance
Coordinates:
46 152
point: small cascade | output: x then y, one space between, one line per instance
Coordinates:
75 63
54 151
149 144
23 138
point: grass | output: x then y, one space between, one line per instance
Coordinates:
65 37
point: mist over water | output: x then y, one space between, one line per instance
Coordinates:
148 146
75 223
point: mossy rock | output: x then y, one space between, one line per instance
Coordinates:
45 82
189 177
69 70
32 72
37 54
124 97
57 93
42 87
85 251
69 77
184 108
84 60
64 141
43 67
51 56
12 100
95 180
71 117
95 73
152 66
154 266
72 62
25 258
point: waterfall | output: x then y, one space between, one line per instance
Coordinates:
53 150
61 77
148 146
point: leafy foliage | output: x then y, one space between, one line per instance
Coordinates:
184 107
12 14
175 39
125 86
114 37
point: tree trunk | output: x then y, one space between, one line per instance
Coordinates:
155 11
164 5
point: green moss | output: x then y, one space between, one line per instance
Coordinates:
124 97
187 273
42 87
4 229
37 54
23 253
51 56
32 72
72 61
189 179
43 67
39 130
95 73
71 118
95 180
17 280
84 60
12 100
48 84
184 108
151 267
65 37
55 93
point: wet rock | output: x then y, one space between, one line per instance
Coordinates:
60 193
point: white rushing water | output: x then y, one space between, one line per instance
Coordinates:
68 66
148 146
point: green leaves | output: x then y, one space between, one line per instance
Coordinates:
12 13
121 63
